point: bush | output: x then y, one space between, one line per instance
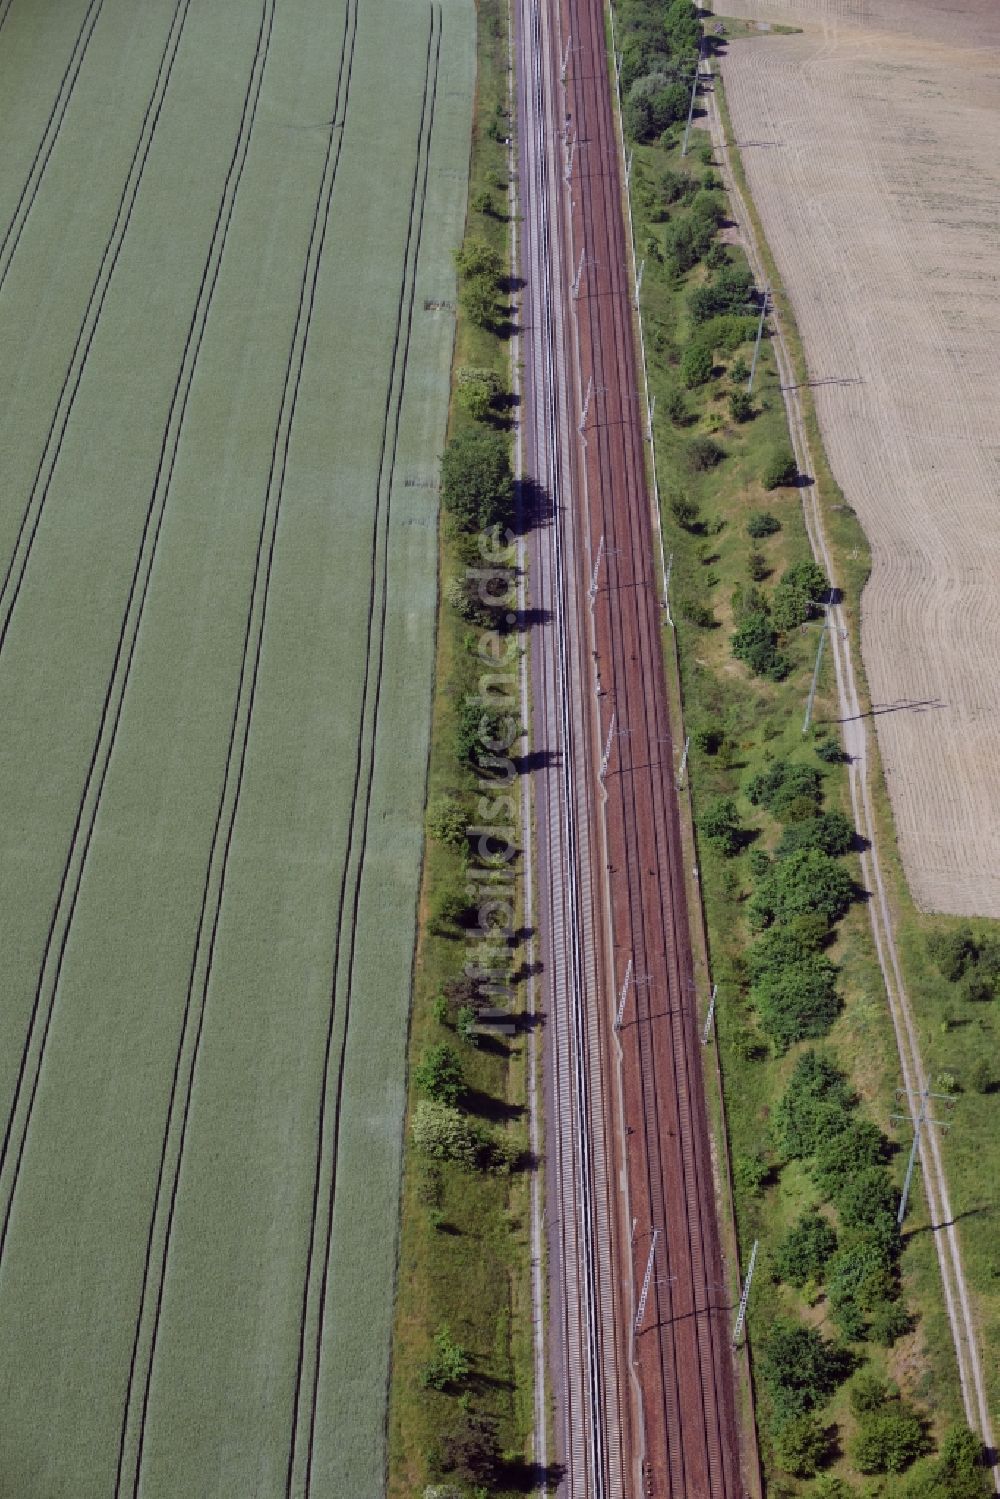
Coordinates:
676 407
867 1198
781 468
448 1364
697 365
830 832
798 1002
800 1369
755 643
439 1074
888 1440
806 1249
703 453
477 483
448 821
861 1277
845 1153
719 824
981 1077
800 1445
729 291
804 882
869 1391
762 523
781 947
829 750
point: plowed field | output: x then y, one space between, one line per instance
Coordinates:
871 146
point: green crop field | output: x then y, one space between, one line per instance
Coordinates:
226 323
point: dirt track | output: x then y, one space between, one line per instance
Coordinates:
870 142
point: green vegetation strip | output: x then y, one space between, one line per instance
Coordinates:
807 1052
461 1400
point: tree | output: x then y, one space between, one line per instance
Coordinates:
448 821
846 1153
476 258
448 1364
477 483
755 643
781 947
817 1095
697 365
477 389
797 1002
482 729
801 1370
792 792
684 510
830 832
781 468
480 301
981 1076
439 1074
791 607
958 1473
762 523
888 1440
805 881
730 290
676 407
757 566
804 1252
720 825
953 952
651 104
800 1445
469 1448
830 751
444 1134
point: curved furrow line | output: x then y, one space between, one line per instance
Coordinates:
10 587
5 12
149 1311
60 924
313 1308
14 230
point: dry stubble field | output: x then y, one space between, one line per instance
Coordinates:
225 342
872 146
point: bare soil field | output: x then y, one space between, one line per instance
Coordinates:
870 143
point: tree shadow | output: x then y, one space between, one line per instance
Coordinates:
532 507
527 1477
534 760
496 1110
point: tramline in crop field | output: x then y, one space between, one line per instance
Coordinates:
225 342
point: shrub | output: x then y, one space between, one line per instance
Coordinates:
730 290
800 1445
781 468
745 600
741 407
447 821
845 1153
804 882
869 1391
757 566
676 407
781 947
477 390
785 788
684 510
477 483
830 751
830 832
469 1449
888 1440
958 1472
889 1321
861 1277
450 908
806 1249
720 825
981 1078
448 1364
762 523
697 365
800 1369
791 607
439 1074
696 611
703 453
750 1172
739 371
867 1198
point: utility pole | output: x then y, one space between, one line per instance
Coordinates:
694 91
638 283
922 1118
624 996
684 761
666 589
565 61
649 419
645 1282
710 1016
760 335
579 274
742 1313
586 402
597 567
607 748
570 148
628 168
815 678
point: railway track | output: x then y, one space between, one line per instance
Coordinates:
645 1409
